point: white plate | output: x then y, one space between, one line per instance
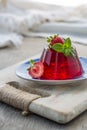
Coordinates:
23 73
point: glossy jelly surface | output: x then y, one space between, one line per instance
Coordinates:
57 66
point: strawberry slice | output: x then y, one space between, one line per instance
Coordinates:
36 69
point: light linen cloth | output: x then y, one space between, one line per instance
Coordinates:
7 39
18 21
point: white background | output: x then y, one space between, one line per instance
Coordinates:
64 2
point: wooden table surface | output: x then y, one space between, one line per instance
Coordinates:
11 118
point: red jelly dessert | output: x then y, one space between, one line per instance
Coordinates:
60 60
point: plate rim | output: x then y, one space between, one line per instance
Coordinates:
40 81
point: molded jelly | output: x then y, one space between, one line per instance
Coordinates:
57 66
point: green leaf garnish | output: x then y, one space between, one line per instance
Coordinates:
57 47
65 48
67 43
31 64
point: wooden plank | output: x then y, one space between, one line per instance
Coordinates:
11 118
59 103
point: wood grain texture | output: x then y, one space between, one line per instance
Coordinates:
60 103
11 119
51 106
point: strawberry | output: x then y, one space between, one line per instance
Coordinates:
36 69
55 39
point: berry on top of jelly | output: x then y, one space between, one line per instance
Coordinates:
55 39
60 60
59 44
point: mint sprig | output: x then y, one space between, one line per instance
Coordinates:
65 48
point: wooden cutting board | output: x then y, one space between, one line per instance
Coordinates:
60 103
